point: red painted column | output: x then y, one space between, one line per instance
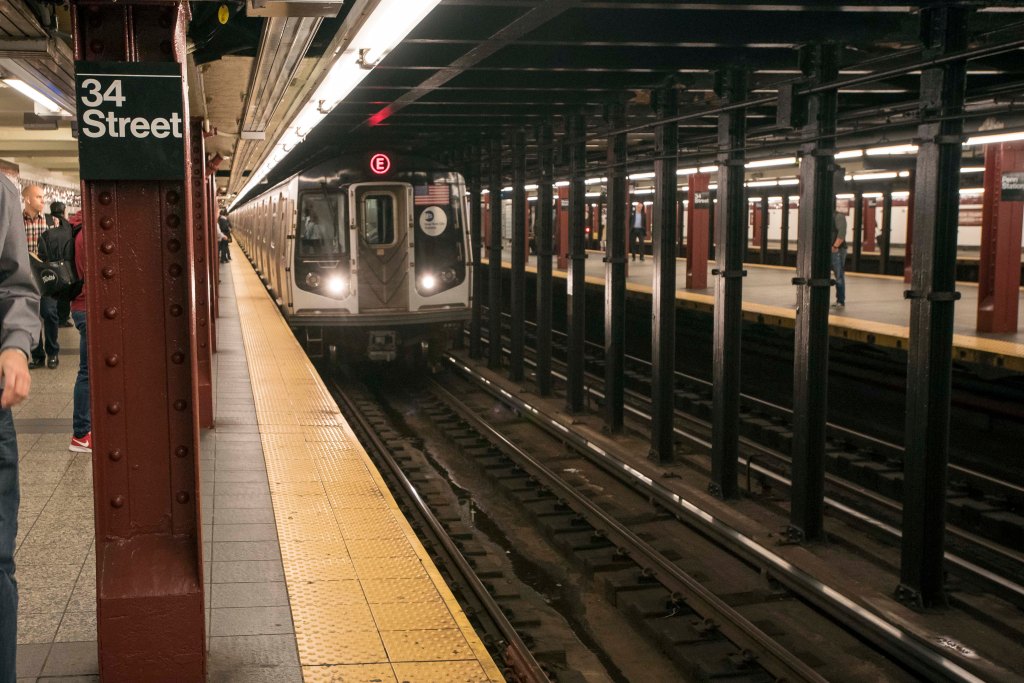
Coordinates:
199 308
999 270
563 227
212 263
698 221
149 574
910 228
870 225
754 211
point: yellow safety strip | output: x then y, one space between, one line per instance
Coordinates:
367 602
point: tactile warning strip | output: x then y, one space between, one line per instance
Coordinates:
366 600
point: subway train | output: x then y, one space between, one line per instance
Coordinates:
366 255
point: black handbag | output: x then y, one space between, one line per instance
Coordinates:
53 277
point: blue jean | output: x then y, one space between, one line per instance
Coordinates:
48 344
10 496
81 423
636 241
838 263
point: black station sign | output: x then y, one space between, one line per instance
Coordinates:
702 200
1013 187
130 121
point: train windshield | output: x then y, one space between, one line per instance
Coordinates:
321 231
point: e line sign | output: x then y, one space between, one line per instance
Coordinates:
130 122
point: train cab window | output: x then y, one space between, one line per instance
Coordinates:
377 223
321 230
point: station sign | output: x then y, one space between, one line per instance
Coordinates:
131 124
702 200
1012 187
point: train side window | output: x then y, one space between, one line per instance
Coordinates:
378 219
321 229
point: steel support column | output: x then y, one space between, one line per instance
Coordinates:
763 243
663 232
999 269
858 230
494 304
199 275
150 613
886 236
576 285
212 260
615 271
730 247
932 297
475 243
870 225
814 258
784 230
545 251
698 226
517 285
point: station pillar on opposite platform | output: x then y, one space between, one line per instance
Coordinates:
698 224
139 215
1001 216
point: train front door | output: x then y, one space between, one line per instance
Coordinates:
382 217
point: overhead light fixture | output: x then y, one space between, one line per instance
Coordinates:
642 176
993 139
891 150
708 169
594 181
33 94
972 190
649 191
593 194
763 183
530 187
768 163
386 27
850 154
972 169
884 175
562 183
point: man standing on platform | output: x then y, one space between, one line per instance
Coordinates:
637 231
19 322
35 226
839 257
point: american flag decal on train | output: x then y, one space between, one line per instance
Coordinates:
430 194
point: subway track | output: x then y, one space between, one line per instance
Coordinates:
920 652
863 472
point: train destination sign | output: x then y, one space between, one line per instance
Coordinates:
130 121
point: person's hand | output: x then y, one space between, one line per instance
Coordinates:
17 378
834 248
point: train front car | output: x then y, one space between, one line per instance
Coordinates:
376 256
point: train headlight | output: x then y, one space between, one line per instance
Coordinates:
335 284
312 279
428 282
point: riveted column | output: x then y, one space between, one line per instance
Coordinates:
815 224
885 237
615 271
698 226
544 254
731 243
784 231
858 230
213 258
763 245
199 254
142 366
576 285
494 259
999 267
932 298
663 232
475 237
517 287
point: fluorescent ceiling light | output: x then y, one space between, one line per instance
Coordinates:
594 181
767 163
643 192
903 194
386 27
789 181
992 139
763 183
972 190
708 169
562 183
593 194
845 196
529 187
641 176
972 169
904 174
754 199
30 92
892 149
873 176
686 171
850 154
871 195
507 189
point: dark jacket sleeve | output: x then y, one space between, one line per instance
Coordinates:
19 295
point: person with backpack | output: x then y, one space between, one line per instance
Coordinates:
36 227
58 244
57 219
224 236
